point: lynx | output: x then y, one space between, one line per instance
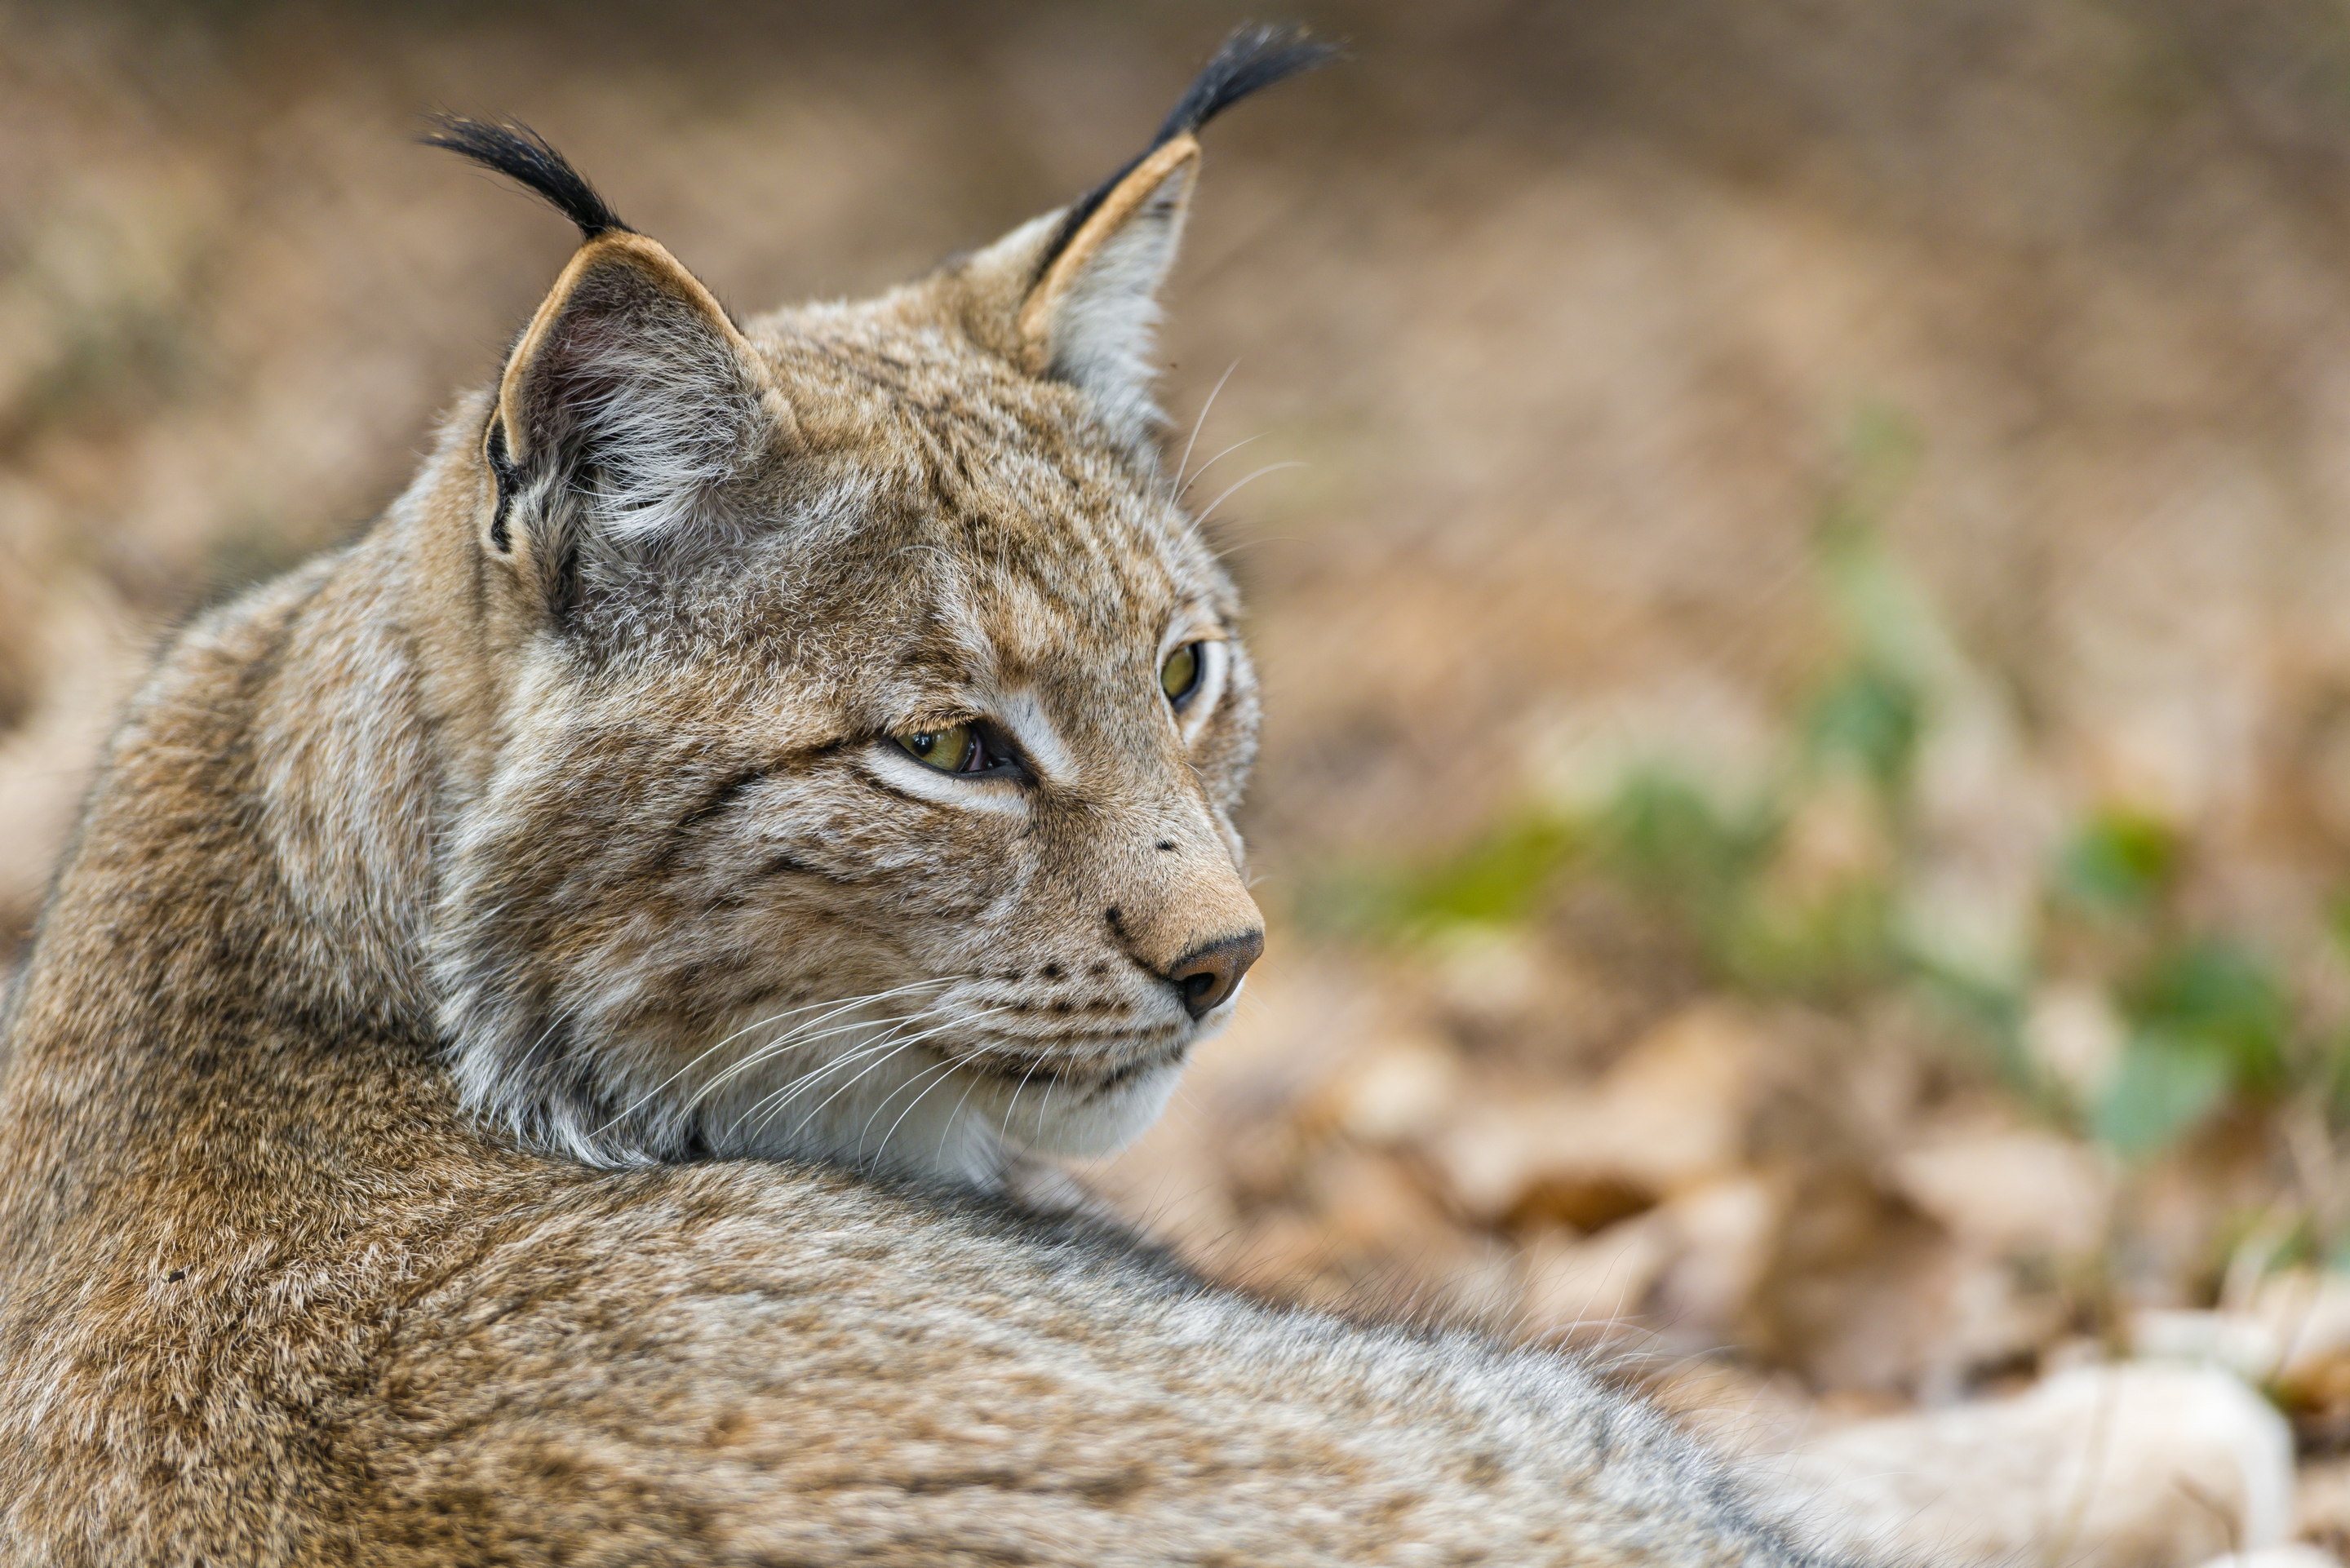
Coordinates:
537 1053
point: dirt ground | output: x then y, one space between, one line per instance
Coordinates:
1805 804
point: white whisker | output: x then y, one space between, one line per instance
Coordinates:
837 1006
1210 463
795 1040
562 1014
948 1130
1200 421
1201 520
1240 545
892 1041
890 1045
1044 1113
879 1054
862 1073
1005 1131
946 1067
888 1030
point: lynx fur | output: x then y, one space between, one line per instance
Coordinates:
524 1064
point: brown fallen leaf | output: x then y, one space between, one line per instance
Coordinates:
1593 1289
1673 1113
2013 1192
1398 1091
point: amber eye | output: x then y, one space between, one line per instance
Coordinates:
1179 676
956 750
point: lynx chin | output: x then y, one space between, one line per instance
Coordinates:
535 1052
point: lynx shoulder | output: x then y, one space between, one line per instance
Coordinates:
523 1059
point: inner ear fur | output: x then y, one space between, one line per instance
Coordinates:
1090 315
629 401
1137 226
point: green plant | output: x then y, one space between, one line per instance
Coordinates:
2119 862
2208 1021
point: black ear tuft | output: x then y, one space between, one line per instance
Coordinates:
1256 54
522 155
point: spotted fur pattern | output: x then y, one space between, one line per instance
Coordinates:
520 1064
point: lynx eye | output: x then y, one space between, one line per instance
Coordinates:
955 750
1179 676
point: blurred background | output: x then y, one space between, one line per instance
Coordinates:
1805 802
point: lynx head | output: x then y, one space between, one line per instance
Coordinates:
867 714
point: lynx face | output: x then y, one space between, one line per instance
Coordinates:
870 716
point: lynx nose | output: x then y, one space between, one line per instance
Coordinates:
1208 974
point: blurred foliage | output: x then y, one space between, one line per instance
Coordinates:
1871 711
1873 716
2209 1022
2119 862
1501 879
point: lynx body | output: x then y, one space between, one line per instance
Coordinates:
528 1057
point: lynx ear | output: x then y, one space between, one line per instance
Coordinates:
630 399
1092 318
628 403
1083 284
